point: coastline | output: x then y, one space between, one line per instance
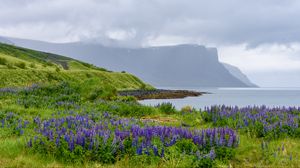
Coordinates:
160 94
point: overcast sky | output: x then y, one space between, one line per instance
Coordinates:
261 37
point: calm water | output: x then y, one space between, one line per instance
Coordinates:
236 96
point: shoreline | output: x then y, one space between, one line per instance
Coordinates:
160 94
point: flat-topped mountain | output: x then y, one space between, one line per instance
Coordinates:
185 65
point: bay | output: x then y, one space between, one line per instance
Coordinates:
271 97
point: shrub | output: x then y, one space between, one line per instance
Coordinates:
166 108
187 109
49 63
57 69
204 163
21 65
105 93
186 146
32 65
224 153
88 75
3 61
143 86
127 98
10 66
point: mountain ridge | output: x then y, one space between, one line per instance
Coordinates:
180 65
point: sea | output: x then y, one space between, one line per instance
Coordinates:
271 97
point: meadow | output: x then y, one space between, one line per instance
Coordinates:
61 126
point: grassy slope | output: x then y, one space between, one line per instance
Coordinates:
43 67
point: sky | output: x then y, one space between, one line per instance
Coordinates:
260 37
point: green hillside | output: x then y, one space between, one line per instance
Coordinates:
23 67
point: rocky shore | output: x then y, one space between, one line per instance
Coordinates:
160 94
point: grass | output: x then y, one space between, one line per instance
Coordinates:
250 153
23 67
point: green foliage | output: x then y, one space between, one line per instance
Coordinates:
21 65
57 69
167 108
105 93
91 66
51 96
225 154
48 63
12 123
204 163
125 108
127 99
103 154
3 61
10 66
187 109
186 146
143 86
191 119
32 65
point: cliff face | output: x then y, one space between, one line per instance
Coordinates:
177 66
239 74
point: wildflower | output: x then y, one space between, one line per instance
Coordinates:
155 150
212 154
162 152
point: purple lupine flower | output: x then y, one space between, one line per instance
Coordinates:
139 150
155 150
29 144
162 153
21 131
147 151
57 141
212 154
230 141
91 145
3 123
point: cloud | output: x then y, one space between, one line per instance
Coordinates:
266 65
257 36
214 21
268 57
